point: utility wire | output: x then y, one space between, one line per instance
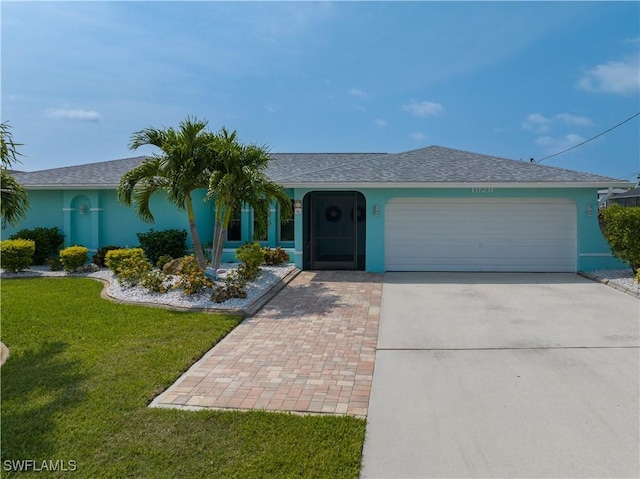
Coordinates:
590 139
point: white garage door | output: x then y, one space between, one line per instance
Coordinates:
480 234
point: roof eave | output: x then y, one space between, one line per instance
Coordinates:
470 184
390 184
104 186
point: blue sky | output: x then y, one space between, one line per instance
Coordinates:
510 79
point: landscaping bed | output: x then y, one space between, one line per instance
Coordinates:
270 276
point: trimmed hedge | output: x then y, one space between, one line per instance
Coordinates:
48 242
130 265
163 243
101 254
74 257
621 227
16 254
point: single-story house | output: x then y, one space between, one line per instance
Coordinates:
627 198
430 209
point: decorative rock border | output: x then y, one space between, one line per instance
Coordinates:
246 311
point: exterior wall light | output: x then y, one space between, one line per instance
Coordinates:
376 210
589 210
297 207
83 209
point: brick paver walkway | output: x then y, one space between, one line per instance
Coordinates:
310 349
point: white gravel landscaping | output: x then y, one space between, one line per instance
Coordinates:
176 298
621 277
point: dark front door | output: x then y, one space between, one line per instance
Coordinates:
336 230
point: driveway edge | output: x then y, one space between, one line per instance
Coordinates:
609 283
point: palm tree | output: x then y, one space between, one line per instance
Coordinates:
239 179
183 166
14 202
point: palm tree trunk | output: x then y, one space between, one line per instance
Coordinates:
197 246
222 223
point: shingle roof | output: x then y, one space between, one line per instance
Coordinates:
627 194
434 164
103 174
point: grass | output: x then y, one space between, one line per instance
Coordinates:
83 369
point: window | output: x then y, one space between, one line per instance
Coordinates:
234 230
257 237
286 229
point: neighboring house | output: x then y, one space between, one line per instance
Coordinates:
628 198
605 194
431 209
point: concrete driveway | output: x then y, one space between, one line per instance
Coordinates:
504 375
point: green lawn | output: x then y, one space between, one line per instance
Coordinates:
82 371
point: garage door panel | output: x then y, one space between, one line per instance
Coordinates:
483 234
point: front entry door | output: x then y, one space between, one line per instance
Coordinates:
337 229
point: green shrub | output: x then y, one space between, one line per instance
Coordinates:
191 278
130 265
233 288
252 256
162 260
621 227
16 254
54 263
101 254
275 257
638 275
159 243
155 281
74 257
48 241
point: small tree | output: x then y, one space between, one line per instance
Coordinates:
14 202
621 227
182 167
238 178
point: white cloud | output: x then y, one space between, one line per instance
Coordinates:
574 120
358 93
69 114
423 109
418 136
537 122
541 124
380 123
613 77
559 143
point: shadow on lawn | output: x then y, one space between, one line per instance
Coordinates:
37 387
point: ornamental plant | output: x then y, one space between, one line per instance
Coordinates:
130 265
621 227
191 278
16 254
275 257
170 242
74 257
252 256
48 241
100 256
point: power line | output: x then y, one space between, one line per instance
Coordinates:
590 139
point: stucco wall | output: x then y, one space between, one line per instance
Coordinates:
104 221
592 249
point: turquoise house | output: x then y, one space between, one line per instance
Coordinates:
431 209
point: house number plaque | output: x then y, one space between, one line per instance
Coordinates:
482 190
